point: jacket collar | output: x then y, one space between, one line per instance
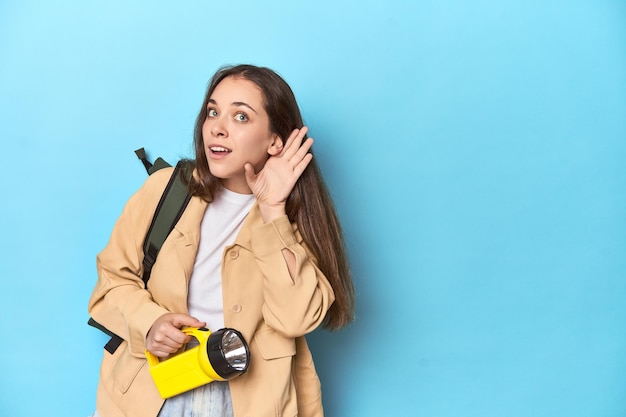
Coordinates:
188 240
189 225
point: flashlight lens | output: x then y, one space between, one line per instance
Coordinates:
235 351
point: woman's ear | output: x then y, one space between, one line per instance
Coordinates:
276 146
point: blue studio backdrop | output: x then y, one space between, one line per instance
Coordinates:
476 151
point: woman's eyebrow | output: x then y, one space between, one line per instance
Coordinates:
241 103
235 103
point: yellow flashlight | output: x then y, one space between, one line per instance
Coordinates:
220 356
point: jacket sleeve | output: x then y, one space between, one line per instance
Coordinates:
119 300
297 306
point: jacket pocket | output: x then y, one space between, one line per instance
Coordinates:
126 369
272 345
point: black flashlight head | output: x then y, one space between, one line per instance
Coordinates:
228 353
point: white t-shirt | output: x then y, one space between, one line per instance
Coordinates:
222 221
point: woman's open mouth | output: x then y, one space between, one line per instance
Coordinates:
219 151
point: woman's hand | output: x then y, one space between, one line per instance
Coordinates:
273 184
165 337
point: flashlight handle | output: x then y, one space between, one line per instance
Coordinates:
201 334
152 359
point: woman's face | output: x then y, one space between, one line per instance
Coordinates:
237 131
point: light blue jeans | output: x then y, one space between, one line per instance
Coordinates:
210 400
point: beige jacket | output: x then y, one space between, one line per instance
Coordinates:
260 300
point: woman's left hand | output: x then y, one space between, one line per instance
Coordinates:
272 185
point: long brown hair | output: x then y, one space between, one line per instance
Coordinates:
309 205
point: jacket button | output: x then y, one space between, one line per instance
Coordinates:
234 254
236 308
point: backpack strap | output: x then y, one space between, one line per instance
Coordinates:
150 167
114 342
169 210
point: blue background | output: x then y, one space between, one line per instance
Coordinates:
476 152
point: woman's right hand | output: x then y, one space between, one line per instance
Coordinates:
165 337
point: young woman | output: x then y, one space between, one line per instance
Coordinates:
259 249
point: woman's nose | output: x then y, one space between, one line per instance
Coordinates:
218 128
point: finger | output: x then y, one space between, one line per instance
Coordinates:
167 335
168 330
162 351
302 151
184 320
159 348
301 166
174 338
249 172
289 141
294 141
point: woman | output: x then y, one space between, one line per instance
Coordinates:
258 249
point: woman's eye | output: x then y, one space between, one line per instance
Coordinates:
211 113
241 117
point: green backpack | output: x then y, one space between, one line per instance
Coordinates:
169 210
